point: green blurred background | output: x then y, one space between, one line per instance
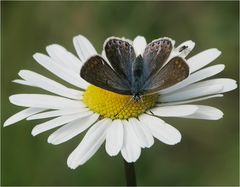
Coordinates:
208 153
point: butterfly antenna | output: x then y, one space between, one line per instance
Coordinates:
124 106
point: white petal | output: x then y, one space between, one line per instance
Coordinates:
195 77
63 73
174 111
114 138
130 149
83 47
45 83
44 101
22 115
143 134
202 59
56 113
206 112
190 92
228 84
72 129
209 87
161 130
89 145
190 100
64 58
23 82
139 44
56 122
179 51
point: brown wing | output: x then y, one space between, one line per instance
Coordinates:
97 72
173 72
155 54
121 55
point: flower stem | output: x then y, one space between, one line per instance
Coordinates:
130 174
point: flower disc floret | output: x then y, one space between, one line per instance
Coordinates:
116 106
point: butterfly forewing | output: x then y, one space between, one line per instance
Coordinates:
97 72
121 55
155 54
173 72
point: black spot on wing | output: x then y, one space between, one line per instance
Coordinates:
155 54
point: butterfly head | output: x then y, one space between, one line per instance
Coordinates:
137 97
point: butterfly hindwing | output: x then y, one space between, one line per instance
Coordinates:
155 54
121 55
173 72
97 72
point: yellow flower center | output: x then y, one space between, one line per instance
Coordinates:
116 106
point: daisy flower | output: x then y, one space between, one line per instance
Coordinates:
81 106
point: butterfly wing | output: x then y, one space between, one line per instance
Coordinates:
155 54
121 55
173 72
97 72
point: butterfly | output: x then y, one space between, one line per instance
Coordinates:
128 74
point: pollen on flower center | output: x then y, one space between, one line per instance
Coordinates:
111 105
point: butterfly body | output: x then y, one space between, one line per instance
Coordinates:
137 77
128 74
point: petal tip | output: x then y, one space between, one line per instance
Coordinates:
177 139
79 36
71 165
53 141
11 99
112 154
35 131
29 118
70 162
49 140
36 55
217 52
192 43
6 123
139 37
220 115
